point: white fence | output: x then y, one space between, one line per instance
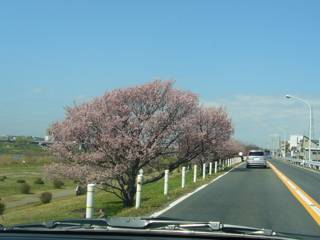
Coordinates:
206 168
218 166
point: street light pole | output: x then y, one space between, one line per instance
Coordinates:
310 119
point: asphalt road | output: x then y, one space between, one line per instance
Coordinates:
251 197
304 178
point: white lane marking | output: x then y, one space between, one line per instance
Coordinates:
291 185
179 200
307 201
316 209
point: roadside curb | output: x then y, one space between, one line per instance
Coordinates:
179 200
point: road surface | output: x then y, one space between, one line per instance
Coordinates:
255 197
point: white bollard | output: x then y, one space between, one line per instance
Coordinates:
90 200
204 168
183 180
210 168
215 167
195 173
138 191
166 180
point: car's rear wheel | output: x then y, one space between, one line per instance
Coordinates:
248 166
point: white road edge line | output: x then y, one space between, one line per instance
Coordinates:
179 200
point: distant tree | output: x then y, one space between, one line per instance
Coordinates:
229 148
109 139
22 140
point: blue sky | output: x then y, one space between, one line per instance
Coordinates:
245 55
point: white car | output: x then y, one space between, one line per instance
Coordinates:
257 158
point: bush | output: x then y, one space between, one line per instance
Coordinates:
2 208
57 183
45 197
25 188
2 178
21 181
38 181
80 190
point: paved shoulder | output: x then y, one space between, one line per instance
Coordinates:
252 197
307 180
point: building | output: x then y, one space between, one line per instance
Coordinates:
284 147
299 147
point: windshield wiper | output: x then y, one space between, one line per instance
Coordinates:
210 226
137 223
68 223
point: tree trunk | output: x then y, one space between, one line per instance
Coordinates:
128 200
129 193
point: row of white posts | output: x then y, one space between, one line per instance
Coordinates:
218 165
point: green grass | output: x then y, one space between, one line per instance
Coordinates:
74 207
24 148
29 173
22 160
27 167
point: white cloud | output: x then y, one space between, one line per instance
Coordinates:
257 117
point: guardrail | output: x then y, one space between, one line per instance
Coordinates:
304 163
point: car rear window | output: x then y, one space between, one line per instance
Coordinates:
256 153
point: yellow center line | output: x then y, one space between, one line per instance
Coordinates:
311 205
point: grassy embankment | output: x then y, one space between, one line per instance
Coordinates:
74 207
24 162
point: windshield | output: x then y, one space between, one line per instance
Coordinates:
189 110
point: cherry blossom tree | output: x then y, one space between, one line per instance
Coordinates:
228 149
109 139
208 130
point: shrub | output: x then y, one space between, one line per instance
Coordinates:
57 183
45 197
38 181
80 190
21 181
2 178
2 208
25 188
